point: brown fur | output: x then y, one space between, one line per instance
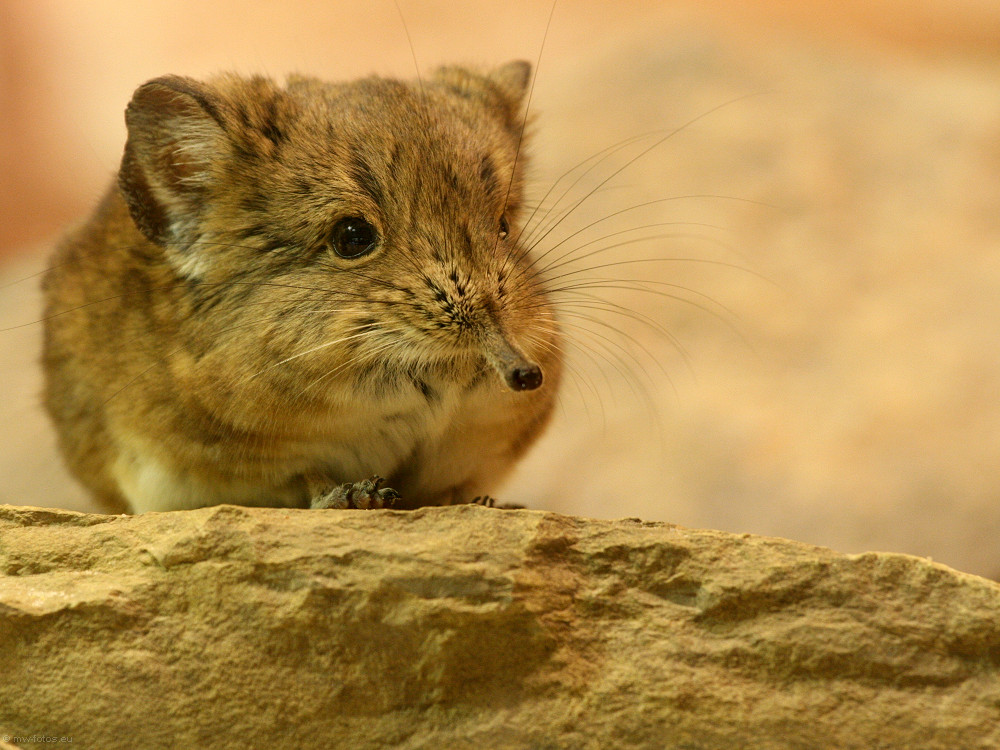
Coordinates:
204 344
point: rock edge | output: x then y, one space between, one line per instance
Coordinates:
470 627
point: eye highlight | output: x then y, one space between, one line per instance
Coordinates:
504 228
353 237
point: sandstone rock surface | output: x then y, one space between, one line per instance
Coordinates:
469 627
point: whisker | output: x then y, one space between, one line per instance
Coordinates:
673 340
638 285
362 332
524 118
593 302
409 41
599 158
671 134
162 360
619 364
577 377
632 261
370 355
567 257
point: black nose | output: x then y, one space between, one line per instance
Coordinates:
526 378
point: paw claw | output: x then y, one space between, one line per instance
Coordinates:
364 495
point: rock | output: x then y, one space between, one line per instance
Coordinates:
470 627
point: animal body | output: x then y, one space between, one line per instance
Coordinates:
291 289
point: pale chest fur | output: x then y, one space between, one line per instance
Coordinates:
405 431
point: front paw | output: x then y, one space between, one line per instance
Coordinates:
363 495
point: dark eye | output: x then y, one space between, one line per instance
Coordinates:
504 228
353 237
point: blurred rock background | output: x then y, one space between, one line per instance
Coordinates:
840 184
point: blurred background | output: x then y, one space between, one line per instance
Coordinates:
832 369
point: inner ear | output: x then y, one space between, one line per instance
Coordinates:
174 136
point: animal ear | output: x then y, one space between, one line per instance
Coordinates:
512 79
502 89
174 136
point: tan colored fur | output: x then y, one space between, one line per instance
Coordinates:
205 345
